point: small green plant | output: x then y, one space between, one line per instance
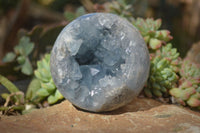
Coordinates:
150 30
21 55
163 71
40 89
188 90
71 16
15 98
122 8
47 89
128 8
16 102
165 60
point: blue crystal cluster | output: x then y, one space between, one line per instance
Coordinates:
99 62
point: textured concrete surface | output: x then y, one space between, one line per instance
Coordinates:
141 116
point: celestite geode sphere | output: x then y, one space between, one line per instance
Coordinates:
99 62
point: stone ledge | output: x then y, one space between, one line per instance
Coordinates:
142 115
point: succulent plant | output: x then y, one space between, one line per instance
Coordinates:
71 16
127 8
189 69
149 29
164 67
21 53
188 91
165 60
122 8
48 89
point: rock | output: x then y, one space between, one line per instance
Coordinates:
100 62
140 116
194 53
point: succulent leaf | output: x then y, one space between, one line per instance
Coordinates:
43 92
9 57
52 99
58 95
155 43
33 87
27 67
48 89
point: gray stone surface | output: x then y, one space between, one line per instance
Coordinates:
99 62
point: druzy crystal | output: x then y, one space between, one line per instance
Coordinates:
99 62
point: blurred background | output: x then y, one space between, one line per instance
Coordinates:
42 20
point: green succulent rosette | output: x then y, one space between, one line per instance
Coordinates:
189 69
48 89
149 29
188 91
164 67
122 8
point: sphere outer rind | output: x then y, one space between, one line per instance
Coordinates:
99 62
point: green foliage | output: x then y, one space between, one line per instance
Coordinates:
163 71
47 88
9 57
21 53
41 88
128 8
188 91
122 8
165 60
15 96
24 47
40 36
71 16
33 87
189 69
8 84
149 29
